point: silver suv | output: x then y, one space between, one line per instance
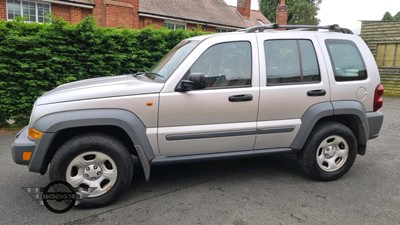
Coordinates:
256 92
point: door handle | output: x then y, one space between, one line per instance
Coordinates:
320 92
240 98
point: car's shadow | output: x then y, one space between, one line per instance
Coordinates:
172 177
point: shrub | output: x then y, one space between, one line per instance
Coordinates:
35 58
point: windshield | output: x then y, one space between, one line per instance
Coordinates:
173 59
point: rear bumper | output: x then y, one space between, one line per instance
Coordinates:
22 144
375 121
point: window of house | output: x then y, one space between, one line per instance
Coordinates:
388 55
30 11
347 62
225 65
172 25
223 30
291 62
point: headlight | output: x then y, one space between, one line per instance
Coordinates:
35 134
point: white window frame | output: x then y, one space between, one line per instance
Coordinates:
36 10
175 24
223 30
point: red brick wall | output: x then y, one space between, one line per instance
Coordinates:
243 7
136 13
281 14
119 16
192 26
116 13
210 29
70 13
77 14
146 22
3 10
99 12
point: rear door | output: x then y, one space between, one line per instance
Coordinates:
293 77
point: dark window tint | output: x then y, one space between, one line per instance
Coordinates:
291 62
225 65
309 61
347 63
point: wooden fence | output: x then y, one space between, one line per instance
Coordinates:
377 33
390 78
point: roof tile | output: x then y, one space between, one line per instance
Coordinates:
205 11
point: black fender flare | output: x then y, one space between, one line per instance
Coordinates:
129 122
329 109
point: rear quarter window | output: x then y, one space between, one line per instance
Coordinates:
347 62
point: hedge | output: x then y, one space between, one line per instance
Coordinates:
35 58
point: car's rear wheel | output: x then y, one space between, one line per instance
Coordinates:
99 165
329 152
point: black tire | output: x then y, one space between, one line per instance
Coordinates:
91 147
324 168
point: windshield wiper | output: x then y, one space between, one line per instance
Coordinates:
152 74
139 73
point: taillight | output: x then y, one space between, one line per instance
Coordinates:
378 101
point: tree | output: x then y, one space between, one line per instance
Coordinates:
387 17
300 11
397 16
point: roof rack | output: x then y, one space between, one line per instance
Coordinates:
333 27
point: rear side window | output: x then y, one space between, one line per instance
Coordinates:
291 62
347 62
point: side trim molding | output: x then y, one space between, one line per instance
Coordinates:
178 137
160 160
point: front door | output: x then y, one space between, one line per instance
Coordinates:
221 117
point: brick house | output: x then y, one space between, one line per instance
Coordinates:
210 15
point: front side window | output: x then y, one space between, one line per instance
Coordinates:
30 11
291 62
225 65
347 62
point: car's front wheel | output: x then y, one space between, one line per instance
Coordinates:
98 164
329 152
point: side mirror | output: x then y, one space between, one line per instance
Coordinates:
195 81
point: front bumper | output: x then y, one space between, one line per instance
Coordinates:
22 144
